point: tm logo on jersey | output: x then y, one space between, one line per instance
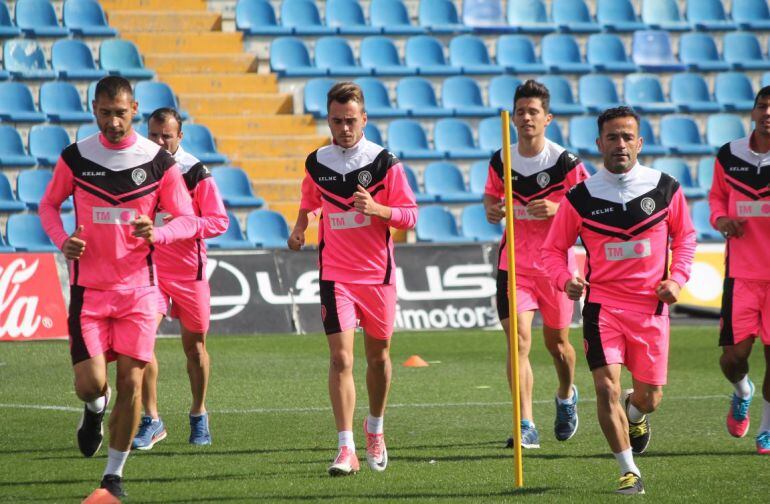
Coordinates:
753 208
348 220
113 215
620 251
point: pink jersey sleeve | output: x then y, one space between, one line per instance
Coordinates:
175 199
561 237
719 195
682 234
494 186
213 220
401 199
576 175
311 196
59 189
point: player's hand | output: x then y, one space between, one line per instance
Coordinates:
143 228
668 291
495 212
730 228
364 203
574 288
73 247
296 239
542 208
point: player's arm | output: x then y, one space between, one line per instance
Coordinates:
175 199
310 203
719 199
561 237
682 233
401 208
494 192
213 220
59 189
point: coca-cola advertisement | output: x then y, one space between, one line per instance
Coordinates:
31 301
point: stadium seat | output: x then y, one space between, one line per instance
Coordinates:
303 17
72 59
573 16
230 239
392 17
198 141
445 182
372 133
765 81
681 136
60 101
663 15
17 104
705 174
552 133
30 187
407 140
561 54
379 54
455 137
289 58
689 93
651 51
562 100
85 18
590 167
121 57
677 168
37 18
267 229
419 196
462 94
701 215
8 202
86 130
378 102
751 14
440 16
426 55
475 224
437 224
25 233
605 53
733 91
315 96
416 95
334 55
491 134
644 92
12 151
257 17
597 93
235 187
529 16
46 142
699 52
478 176
7 28
742 51
618 16
723 128
485 16
68 221
708 15
469 53
517 54
501 91
651 144
153 95
583 132
24 60
347 17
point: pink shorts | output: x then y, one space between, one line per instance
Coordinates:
112 322
745 311
535 293
617 336
344 303
190 302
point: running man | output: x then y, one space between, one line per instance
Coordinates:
362 191
542 172
117 179
739 200
182 280
624 215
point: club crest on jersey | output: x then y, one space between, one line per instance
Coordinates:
138 176
365 178
648 205
542 179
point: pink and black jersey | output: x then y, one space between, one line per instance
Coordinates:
112 185
548 175
353 247
625 222
741 190
186 259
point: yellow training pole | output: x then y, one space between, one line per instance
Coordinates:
513 318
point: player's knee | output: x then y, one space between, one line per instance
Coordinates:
196 353
378 359
129 384
88 388
607 392
650 401
341 362
556 348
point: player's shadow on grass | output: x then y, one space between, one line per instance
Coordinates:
9 451
131 481
604 455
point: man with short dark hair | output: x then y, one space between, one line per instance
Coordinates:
363 191
625 216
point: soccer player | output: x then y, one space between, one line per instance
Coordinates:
625 216
182 279
542 172
362 191
739 201
117 179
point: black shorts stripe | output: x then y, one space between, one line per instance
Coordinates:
199 275
501 298
592 336
726 336
388 267
78 349
329 316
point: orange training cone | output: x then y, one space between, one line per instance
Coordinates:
415 361
101 496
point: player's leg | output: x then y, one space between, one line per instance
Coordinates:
92 388
763 436
639 402
198 371
152 429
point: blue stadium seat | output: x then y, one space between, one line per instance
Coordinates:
267 229
303 17
416 95
142 129
407 140
86 130
733 91
17 104
445 181
392 17
37 18
485 16
597 93
590 167
561 54
562 100
501 91
315 96
478 176
677 168
379 54
230 239
573 16
24 60
334 55
475 224
347 17
289 58
698 51
681 136
153 95
25 233
663 15
491 134
690 93
199 142
419 196
378 102
68 221
235 187
8 202
12 151
455 137
583 132
517 54
723 128
72 59
462 94
708 15
605 53
529 16
372 133
121 57
705 174
60 101
765 81
618 16
743 52
257 17
652 52
440 16
651 144
751 14
469 53
46 143
644 92
30 187
7 28
437 224
426 55
552 133
85 18
701 215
